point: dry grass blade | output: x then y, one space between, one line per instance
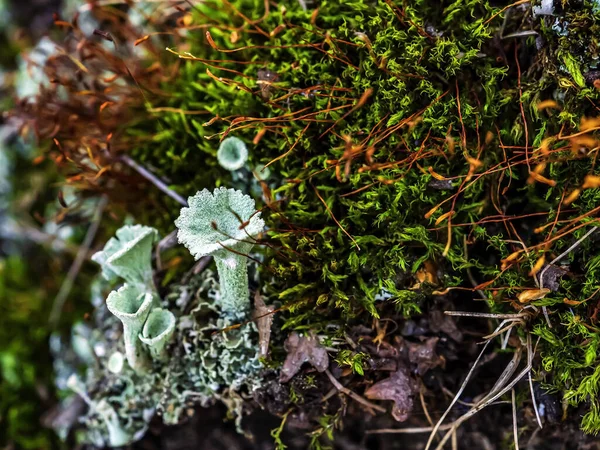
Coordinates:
352 394
460 391
489 399
514 415
81 257
486 315
508 372
409 430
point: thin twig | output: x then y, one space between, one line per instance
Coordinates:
153 179
410 430
82 256
535 408
505 340
351 394
485 315
559 257
334 219
514 416
530 354
566 252
523 33
20 230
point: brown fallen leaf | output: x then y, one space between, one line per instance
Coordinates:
266 78
399 388
263 315
423 355
438 321
301 349
532 294
551 275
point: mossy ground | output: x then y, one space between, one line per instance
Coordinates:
412 156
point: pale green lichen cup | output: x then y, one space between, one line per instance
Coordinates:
223 224
232 154
132 305
129 255
157 332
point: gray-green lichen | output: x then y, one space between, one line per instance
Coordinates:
223 224
132 306
232 153
128 255
198 363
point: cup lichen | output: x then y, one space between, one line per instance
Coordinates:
157 332
131 306
223 224
232 153
129 255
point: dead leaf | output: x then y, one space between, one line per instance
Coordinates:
438 321
551 276
399 388
266 78
301 349
264 319
423 355
440 185
428 273
532 294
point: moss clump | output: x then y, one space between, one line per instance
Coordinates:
403 135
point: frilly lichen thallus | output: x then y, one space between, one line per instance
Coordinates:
208 357
200 364
204 355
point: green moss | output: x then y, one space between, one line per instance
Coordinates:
425 94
